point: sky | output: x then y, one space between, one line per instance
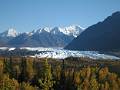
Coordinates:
28 15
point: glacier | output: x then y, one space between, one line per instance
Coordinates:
60 53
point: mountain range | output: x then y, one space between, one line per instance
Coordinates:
42 37
103 36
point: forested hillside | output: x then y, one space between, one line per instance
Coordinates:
24 73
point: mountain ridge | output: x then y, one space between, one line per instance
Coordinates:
45 37
103 36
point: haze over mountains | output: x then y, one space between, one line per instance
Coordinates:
103 36
43 37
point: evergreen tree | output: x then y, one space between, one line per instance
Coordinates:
107 86
94 85
23 74
27 86
1 69
29 69
8 84
46 80
16 71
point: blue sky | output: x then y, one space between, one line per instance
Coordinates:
26 15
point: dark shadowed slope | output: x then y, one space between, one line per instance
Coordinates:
103 36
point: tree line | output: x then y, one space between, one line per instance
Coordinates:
41 74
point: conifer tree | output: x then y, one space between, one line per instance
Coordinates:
27 86
46 81
94 85
107 86
1 69
16 71
29 69
23 74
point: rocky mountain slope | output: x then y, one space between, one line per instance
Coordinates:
103 36
43 37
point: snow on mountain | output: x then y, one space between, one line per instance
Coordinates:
56 30
73 30
3 48
7 48
45 29
27 33
32 32
9 33
42 37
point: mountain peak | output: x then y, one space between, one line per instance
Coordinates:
103 36
55 30
47 29
40 30
73 30
42 37
11 32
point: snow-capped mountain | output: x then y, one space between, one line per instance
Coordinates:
45 37
9 33
40 30
73 30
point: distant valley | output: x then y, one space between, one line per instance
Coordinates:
103 37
